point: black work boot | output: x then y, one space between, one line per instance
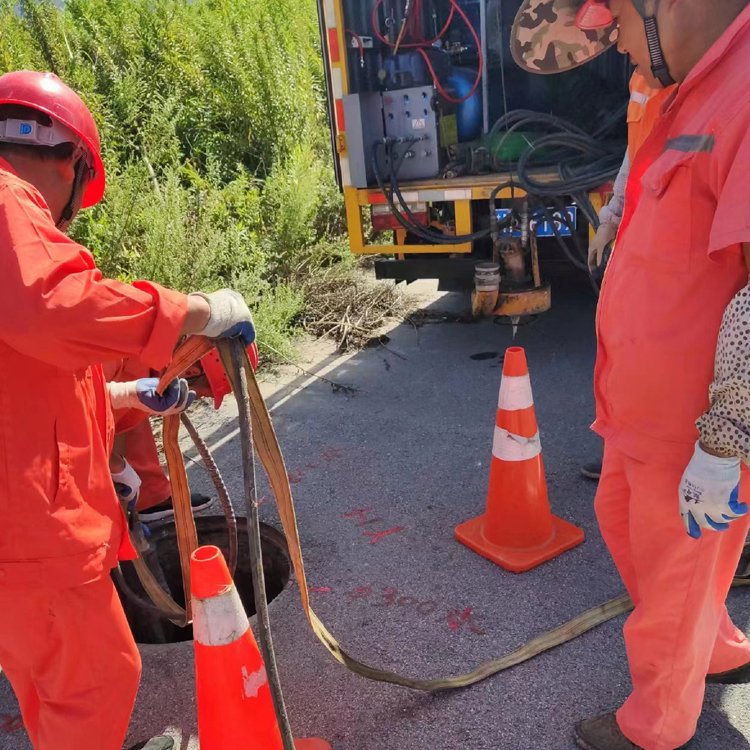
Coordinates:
592 470
603 733
155 743
738 676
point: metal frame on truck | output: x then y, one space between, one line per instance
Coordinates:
504 221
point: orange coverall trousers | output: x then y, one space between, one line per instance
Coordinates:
680 629
73 664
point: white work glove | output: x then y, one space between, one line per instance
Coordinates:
142 394
230 316
127 484
709 493
604 236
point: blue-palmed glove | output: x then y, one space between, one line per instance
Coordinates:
230 317
709 493
127 485
142 394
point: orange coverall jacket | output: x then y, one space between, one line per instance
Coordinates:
60 521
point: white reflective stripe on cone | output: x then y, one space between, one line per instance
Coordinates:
510 447
515 393
220 620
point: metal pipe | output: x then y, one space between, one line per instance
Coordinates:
256 553
485 69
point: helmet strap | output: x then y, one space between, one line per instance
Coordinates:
659 65
81 168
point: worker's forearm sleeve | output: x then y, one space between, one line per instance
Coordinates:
612 212
56 306
725 428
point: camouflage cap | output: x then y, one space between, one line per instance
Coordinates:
545 38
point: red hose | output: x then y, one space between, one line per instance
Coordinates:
357 38
412 45
420 47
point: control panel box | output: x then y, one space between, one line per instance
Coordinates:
409 115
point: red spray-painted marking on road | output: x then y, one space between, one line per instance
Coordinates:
391 597
320 589
327 455
361 516
457 619
377 536
330 454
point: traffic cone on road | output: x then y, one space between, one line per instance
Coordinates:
235 709
518 530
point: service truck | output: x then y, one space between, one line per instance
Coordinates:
454 162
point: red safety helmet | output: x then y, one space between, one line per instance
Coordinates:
46 93
217 378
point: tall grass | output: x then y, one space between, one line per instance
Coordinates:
215 140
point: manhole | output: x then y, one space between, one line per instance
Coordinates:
150 628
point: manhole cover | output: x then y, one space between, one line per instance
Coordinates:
150 628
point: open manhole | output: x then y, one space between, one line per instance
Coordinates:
148 627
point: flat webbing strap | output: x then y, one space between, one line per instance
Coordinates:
187 536
252 407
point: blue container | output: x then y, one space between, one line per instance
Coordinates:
468 113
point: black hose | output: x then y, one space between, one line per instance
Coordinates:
497 226
584 162
406 217
221 490
256 551
580 262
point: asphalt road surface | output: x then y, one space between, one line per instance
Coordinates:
381 476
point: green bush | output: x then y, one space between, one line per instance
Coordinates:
214 133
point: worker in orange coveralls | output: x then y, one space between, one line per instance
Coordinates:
644 110
672 378
65 644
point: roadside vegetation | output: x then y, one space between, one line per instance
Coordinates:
213 122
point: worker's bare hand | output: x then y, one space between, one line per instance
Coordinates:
604 236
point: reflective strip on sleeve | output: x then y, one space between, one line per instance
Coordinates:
692 144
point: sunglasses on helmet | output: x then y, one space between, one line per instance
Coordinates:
594 15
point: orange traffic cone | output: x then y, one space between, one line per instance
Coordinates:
235 709
518 530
